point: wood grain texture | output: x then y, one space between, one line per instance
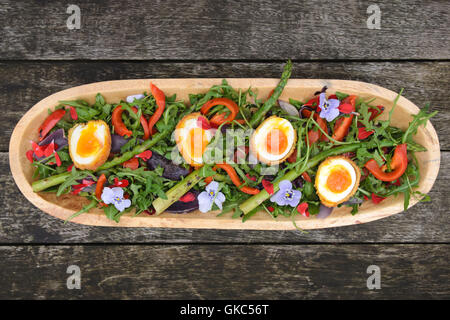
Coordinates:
25 83
21 222
225 272
224 30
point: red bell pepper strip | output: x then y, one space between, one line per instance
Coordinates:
235 179
133 164
144 124
161 103
218 119
399 164
50 122
119 126
121 129
341 127
99 187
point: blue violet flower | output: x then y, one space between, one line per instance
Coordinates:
286 195
115 196
329 109
210 196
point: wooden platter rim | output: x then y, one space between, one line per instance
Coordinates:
369 212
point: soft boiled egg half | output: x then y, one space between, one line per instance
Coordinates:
337 179
192 135
273 141
89 144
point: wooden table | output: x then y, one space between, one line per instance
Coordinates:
166 39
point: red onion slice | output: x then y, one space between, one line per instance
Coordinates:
324 212
288 108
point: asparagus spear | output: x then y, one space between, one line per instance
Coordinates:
50 181
177 191
136 150
260 113
251 203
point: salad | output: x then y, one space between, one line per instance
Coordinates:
227 151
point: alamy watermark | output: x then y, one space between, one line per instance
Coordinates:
374 280
74 20
374 20
74 280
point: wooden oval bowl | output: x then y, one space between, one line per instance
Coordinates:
300 89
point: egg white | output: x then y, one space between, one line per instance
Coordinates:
183 134
325 173
101 133
259 145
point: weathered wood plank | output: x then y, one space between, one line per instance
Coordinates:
224 30
21 222
25 83
225 272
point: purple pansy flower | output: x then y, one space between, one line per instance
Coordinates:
115 196
329 109
130 99
210 196
286 195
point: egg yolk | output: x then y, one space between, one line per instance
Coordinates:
88 143
197 142
277 141
339 180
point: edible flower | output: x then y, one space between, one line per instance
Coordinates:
29 155
115 196
130 99
268 186
188 197
147 154
377 199
286 195
133 164
210 196
79 187
363 133
302 208
329 109
346 108
120 183
73 113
